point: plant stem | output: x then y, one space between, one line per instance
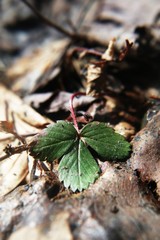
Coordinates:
72 109
47 21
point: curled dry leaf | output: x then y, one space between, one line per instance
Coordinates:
99 81
26 121
146 152
108 55
93 73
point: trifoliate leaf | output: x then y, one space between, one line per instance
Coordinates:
56 141
78 168
105 141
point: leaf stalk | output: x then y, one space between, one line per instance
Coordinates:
73 115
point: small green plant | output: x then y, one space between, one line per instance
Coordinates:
66 142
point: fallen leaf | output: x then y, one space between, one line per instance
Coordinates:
99 81
7 126
36 99
93 73
13 169
36 68
119 19
108 55
61 102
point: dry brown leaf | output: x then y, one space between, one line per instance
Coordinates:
120 18
36 99
38 67
15 168
98 79
93 73
108 55
7 126
99 82
61 102
12 171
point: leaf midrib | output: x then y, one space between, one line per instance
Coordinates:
79 171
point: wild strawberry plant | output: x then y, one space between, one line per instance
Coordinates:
71 145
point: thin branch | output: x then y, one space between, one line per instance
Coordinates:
72 35
9 150
85 51
47 21
33 170
7 110
124 52
11 138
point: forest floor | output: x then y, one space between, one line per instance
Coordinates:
109 51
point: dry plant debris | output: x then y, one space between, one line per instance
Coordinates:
27 123
109 51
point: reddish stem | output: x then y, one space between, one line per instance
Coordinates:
88 51
73 115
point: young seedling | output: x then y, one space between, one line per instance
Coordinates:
66 142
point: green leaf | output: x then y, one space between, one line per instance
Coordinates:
105 141
78 168
56 141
